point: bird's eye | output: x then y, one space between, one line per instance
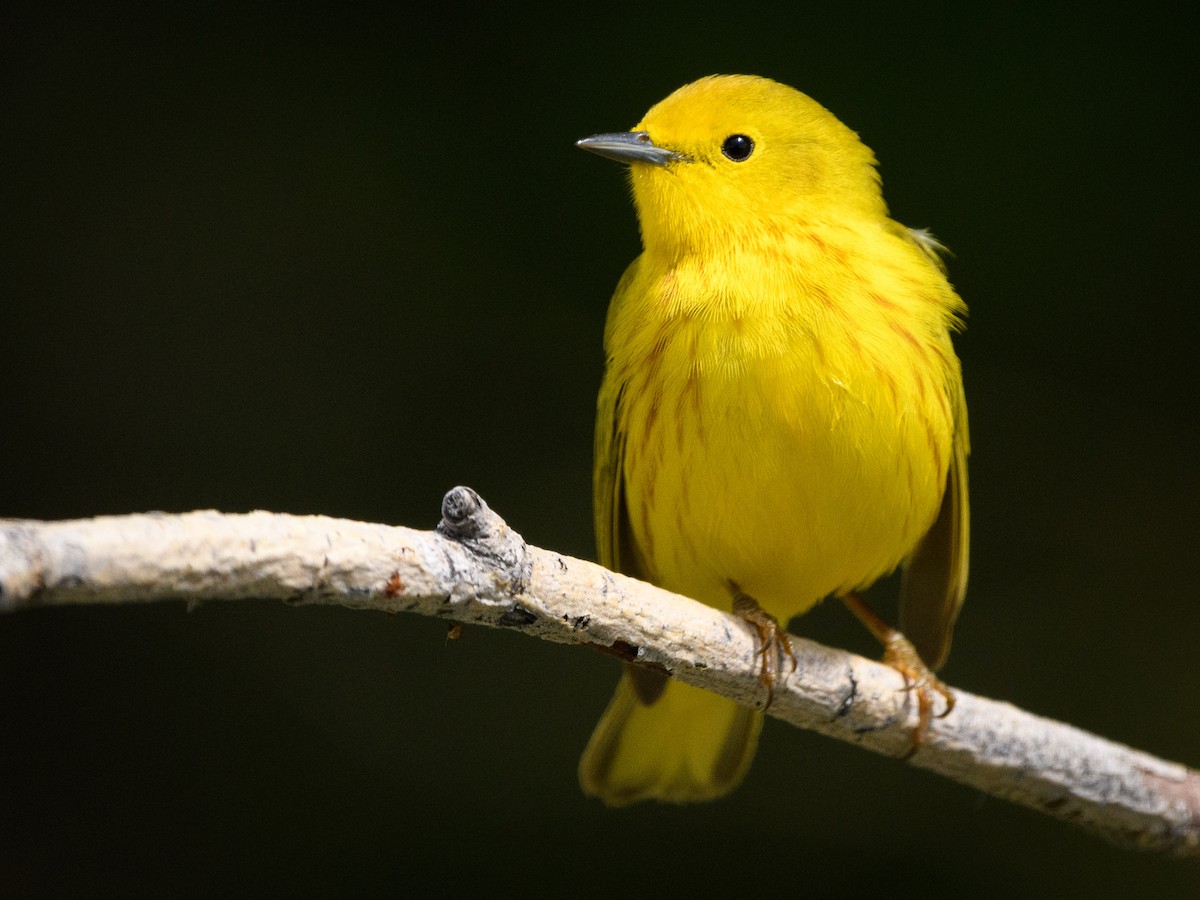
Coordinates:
738 147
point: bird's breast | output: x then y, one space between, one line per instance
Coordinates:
775 446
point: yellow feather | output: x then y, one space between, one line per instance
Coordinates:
782 407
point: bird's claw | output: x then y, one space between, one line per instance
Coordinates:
774 643
900 654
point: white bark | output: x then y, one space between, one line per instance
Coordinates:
476 570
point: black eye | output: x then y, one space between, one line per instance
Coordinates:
738 147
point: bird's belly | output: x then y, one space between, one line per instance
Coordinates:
780 480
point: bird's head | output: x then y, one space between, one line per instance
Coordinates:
730 158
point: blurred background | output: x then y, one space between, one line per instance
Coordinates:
332 261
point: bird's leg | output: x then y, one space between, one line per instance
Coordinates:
901 655
773 640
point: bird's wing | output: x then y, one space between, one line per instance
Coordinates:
614 542
935 575
608 502
615 547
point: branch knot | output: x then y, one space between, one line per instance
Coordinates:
468 520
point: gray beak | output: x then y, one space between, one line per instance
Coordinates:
630 147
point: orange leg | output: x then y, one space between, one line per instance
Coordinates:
901 655
773 641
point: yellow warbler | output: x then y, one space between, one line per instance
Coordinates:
782 415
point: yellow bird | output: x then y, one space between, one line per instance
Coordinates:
782 415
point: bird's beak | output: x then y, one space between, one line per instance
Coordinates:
630 147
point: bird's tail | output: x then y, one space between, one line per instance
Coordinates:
687 746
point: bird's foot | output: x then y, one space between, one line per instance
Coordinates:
774 644
899 653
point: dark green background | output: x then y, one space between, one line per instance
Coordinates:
326 262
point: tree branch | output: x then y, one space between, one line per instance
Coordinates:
475 569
